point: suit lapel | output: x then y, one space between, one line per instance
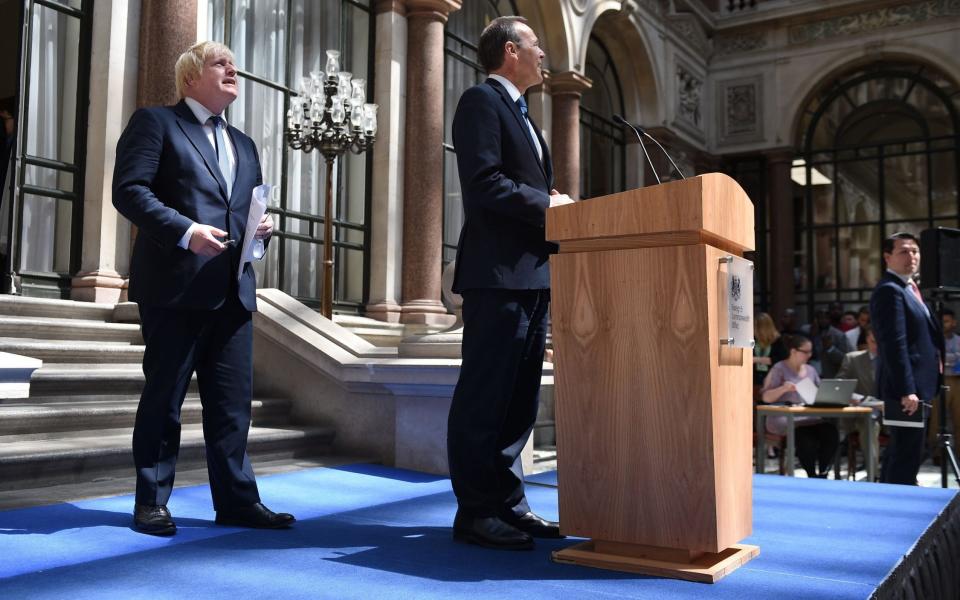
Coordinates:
518 117
913 301
198 138
244 159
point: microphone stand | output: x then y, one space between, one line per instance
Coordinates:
944 439
623 121
665 153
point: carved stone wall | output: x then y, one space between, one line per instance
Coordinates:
740 110
872 20
689 100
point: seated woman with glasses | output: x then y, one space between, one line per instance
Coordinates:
816 440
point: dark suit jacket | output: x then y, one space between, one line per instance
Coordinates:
858 365
506 192
166 176
909 340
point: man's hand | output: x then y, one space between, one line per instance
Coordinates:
910 404
265 228
558 199
204 242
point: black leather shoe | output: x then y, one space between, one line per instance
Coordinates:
153 520
256 516
490 532
534 525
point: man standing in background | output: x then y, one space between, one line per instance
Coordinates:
909 345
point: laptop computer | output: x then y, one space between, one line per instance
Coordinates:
835 392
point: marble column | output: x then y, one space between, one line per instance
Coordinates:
167 29
105 251
386 239
566 89
780 215
423 163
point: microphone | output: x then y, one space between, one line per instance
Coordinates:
639 129
622 121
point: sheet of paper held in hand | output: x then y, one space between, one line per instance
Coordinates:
253 249
807 390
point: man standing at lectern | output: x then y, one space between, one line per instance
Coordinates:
909 354
503 273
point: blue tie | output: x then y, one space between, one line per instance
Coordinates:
220 144
522 104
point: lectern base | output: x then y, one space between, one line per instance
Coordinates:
662 562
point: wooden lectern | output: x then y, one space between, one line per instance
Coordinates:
653 413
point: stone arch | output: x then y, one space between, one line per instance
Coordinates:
836 66
631 52
554 28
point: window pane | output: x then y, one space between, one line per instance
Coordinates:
52 179
823 260
823 195
452 202
905 187
46 234
858 195
259 37
860 256
52 107
944 175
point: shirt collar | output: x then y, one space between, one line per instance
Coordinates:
200 111
905 279
508 85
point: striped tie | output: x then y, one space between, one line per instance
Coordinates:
220 143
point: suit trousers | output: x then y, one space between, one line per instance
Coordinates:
902 458
496 399
218 345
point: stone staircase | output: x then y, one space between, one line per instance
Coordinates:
76 426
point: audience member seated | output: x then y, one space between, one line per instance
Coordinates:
816 440
860 365
857 337
768 349
829 345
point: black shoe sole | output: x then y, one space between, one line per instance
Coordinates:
469 538
158 531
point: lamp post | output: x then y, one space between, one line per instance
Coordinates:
331 114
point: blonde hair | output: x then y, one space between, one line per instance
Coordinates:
190 64
764 331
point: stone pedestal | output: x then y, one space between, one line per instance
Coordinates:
423 158
566 89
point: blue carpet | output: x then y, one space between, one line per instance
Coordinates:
367 531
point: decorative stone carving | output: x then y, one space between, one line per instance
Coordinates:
687 26
739 42
872 20
739 111
579 6
657 7
689 88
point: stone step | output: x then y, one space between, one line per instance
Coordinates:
72 351
26 462
50 328
55 417
44 307
90 380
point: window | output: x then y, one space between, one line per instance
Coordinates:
602 146
45 214
276 42
879 155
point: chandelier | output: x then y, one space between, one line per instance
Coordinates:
330 114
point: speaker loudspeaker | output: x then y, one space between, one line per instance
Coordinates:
940 259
